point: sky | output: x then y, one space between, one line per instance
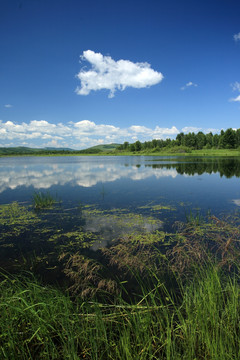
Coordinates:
76 73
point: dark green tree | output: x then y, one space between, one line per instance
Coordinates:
200 140
138 146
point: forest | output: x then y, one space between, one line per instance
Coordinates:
229 139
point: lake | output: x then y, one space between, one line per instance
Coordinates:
103 198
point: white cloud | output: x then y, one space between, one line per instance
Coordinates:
112 75
236 37
163 132
157 133
236 86
8 106
78 135
189 84
140 129
212 130
236 99
188 129
82 134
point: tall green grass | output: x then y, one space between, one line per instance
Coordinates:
200 322
43 200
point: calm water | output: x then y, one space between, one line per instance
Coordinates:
109 197
125 182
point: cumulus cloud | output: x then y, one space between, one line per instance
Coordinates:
81 134
236 37
189 84
236 99
106 73
157 133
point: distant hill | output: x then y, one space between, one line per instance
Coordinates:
21 150
107 147
57 149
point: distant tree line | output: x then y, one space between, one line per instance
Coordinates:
45 152
229 139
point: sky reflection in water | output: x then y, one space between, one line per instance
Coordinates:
124 182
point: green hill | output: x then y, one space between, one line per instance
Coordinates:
107 147
21 150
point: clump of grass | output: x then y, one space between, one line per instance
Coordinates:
194 219
43 200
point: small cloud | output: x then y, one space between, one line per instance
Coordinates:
237 37
188 129
189 84
112 75
236 99
8 106
236 86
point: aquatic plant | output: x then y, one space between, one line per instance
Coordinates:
43 200
198 243
194 219
16 214
87 276
15 219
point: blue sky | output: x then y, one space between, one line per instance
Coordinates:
79 73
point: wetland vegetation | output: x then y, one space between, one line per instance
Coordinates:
151 294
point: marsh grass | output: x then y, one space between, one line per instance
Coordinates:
43 200
200 322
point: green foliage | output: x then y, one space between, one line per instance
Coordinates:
15 214
43 200
229 139
15 219
202 322
194 219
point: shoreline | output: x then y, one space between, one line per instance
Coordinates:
193 153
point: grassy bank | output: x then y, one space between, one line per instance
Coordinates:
202 322
164 152
175 152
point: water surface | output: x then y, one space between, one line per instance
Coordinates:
107 197
109 182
